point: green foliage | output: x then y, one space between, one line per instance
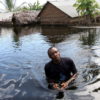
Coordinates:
35 6
9 4
86 7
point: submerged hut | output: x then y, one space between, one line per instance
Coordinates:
25 18
58 13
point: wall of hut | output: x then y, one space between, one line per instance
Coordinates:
83 21
51 15
78 20
98 19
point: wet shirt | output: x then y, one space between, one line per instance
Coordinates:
65 68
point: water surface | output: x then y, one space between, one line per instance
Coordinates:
23 54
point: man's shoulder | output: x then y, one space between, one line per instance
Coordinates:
66 59
48 64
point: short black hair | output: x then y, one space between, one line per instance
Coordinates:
49 50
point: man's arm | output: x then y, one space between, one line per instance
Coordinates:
51 82
65 84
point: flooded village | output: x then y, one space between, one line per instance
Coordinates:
26 35
64 13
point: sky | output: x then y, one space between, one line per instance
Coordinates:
19 2
30 1
41 1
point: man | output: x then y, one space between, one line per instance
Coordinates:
59 71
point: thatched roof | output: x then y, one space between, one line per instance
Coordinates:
24 18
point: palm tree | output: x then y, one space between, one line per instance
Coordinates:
10 5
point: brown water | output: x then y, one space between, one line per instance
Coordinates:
23 54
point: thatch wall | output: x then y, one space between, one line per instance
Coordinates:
25 18
6 23
6 19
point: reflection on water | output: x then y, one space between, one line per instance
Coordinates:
21 31
89 38
23 54
58 34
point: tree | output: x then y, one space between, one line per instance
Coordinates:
87 8
35 6
10 5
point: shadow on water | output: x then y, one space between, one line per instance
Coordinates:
24 89
32 90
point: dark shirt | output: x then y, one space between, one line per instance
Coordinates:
65 67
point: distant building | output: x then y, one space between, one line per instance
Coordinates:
58 13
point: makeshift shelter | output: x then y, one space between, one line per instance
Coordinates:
25 18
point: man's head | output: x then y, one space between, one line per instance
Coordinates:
54 54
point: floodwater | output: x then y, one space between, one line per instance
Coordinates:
23 54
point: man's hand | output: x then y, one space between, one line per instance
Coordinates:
55 86
64 85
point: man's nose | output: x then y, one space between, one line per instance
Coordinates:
55 54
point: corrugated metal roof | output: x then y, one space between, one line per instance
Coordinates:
66 7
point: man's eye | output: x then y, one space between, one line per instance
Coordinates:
56 51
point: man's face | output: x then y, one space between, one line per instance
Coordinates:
54 54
